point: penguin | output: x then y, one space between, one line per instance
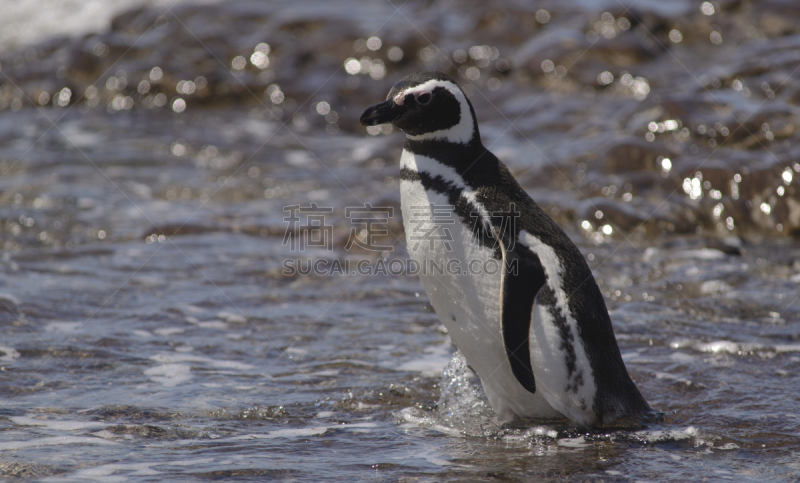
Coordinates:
515 293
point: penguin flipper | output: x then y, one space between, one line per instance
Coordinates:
523 277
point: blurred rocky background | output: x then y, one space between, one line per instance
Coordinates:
648 118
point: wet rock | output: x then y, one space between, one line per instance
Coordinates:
777 18
601 211
727 245
16 469
635 154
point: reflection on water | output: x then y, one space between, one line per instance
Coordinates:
151 331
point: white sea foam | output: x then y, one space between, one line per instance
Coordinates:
579 442
174 371
213 324
7 296
714 286
130 469
293 433
35 20
667 435
8 353
172 358
168 331
701 254
53 441
682 357
170 375
672 377
232 318
719 346
462 408
731 347
414 417
432 362
296 433
189 462
62 326
57 425
297 351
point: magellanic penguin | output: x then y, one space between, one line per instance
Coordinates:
536 331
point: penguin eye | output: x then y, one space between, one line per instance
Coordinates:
423 98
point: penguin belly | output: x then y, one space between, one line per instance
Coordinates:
464 288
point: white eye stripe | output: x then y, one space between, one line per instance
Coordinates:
400 99
430 86
460 133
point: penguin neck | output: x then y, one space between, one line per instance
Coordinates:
467 159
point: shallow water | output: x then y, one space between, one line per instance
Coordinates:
151 331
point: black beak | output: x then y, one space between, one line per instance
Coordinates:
386 111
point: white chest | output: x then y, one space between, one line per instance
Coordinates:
463 281
462 277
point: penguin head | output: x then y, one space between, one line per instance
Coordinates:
426 105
